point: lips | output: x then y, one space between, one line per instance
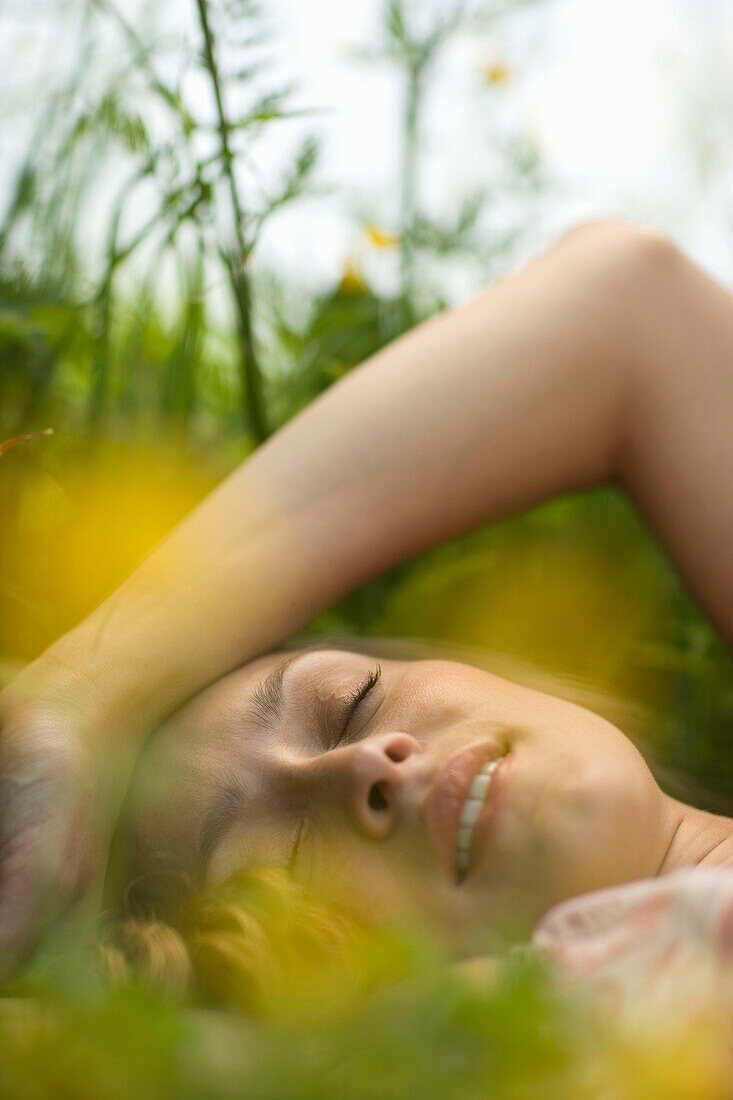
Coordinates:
446 796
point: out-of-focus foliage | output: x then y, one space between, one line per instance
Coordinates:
435 1035
165 154
152 348
160 356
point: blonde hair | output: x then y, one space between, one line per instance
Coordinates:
258 943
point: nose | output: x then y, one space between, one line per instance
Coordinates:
370 778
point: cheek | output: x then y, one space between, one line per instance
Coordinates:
589 815
377 884
603 798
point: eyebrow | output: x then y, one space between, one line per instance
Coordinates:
267 697
266 708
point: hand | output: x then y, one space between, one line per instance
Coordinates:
57 808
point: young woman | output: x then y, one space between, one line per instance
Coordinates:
432 787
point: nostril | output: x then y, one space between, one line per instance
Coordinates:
377 800
397 747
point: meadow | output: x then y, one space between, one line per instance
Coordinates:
161 348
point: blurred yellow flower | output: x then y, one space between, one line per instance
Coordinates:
352 280
679 1063
74 526
497 73
381 238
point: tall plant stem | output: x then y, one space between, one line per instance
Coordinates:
250 373
413 97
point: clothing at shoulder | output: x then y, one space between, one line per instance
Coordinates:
649 950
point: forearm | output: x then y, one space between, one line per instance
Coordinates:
474 415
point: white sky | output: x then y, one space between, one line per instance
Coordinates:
609 91
630 102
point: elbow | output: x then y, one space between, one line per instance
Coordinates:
622 245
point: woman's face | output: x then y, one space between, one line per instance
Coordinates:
375 783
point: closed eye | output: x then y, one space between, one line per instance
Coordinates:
354 702
347 713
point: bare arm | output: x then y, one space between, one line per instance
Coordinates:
608 358
479 413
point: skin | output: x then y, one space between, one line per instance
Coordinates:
582 811
605 360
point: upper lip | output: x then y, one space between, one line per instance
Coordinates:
446 796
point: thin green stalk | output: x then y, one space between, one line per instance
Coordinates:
100 365
103 306
239 280
45 126
142 59
411 118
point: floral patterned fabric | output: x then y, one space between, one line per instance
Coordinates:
658 949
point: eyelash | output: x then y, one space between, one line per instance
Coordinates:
358 696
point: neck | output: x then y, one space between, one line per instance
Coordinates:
696 839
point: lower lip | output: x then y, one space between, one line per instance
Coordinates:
487 820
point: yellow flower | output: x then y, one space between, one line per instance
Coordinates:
497 73
352 282
381 238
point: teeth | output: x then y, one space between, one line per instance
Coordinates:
470 811
479 787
